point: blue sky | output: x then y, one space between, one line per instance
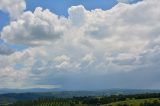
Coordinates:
100 44
4 18
60 7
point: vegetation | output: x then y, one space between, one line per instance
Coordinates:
136 102
148 99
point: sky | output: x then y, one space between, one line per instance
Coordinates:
80 44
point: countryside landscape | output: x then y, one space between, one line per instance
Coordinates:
83 98
79 52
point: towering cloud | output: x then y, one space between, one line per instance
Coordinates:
88 49
36 28
13 7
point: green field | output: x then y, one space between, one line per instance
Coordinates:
146 99
134 102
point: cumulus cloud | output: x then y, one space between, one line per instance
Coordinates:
14 7
77 15
105 48
36 28
5 50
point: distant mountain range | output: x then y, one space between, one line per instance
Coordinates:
35 90
60 92
95 92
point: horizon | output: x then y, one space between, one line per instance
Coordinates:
111 91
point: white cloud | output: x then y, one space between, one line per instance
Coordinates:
14 7
5 50
36 28
112 47
77 15
64 63
62 58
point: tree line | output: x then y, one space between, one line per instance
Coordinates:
89 100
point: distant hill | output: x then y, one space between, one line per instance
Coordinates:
60 92
35 90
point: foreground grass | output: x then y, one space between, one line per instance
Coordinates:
133 102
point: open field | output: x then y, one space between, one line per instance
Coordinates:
134 102
146 99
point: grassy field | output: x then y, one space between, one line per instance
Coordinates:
134 102
147 99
